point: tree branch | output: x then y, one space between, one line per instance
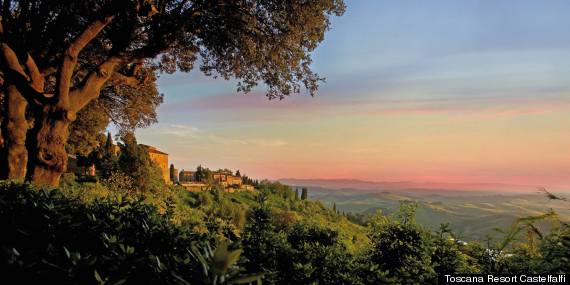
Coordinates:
31 87
70 58
94 81
118 78
11 60
36 77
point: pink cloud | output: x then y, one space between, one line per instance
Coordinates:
256 107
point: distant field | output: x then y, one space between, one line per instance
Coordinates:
473 215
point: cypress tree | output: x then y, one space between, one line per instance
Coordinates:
109 144
296 193
304 193
173 174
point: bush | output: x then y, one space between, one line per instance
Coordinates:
447 257
264 247
305 254
555 251
401 248
104 233
50 239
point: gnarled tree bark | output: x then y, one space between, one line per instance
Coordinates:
48 158
14 155
18 85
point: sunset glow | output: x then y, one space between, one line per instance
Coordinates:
450 91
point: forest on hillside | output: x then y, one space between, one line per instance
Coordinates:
96 233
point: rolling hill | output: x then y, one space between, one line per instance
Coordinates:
472 210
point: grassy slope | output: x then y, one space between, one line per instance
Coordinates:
473 217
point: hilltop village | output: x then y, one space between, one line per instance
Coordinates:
197 180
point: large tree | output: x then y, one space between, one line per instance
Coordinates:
57 56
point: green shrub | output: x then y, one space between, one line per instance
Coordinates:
447 256
103 233
401 248
264 248
555 252
48 238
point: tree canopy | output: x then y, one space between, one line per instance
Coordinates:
57 57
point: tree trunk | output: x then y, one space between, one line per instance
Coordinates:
14 156
48 158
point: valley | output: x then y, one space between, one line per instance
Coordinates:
471 214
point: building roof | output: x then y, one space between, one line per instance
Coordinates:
153 149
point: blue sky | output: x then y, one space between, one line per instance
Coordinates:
447 90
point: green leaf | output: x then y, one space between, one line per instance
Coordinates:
247 279
180 279
67 252
119 282
233 257
220 259
98 277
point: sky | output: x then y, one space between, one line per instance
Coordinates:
439 91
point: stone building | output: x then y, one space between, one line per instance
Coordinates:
226 178
161 159
186 176
234 180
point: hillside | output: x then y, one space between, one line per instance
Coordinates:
413 186
93 233
473 215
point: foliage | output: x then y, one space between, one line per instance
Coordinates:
104 158
134 161
85 133
177 236
304 194
131 107
173 174
124 106
401 247
120 183
62 56
249 181
555 252
219 265
306 254
264 247
202 174
447 256
52 239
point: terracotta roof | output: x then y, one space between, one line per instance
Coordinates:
157 151
153 149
